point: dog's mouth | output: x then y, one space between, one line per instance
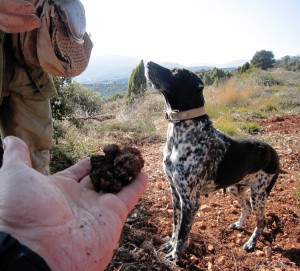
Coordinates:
151 75
154 84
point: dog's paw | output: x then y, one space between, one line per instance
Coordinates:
167 247
172 256
235 226
249 246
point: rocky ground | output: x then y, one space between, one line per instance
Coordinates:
212 245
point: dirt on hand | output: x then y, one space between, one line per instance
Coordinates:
212 245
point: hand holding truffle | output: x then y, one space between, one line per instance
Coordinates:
61 217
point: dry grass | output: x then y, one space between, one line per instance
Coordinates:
232 93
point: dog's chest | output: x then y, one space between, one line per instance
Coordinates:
193 152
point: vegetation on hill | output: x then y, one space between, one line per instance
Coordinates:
289 63
83 120
107 90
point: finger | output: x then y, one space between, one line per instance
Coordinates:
78 171
131 194
86 183
16 7
15 151
11 23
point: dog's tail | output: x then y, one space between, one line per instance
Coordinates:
272 168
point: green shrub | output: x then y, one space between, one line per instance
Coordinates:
69 148
251 127
74 101
228 128
268 79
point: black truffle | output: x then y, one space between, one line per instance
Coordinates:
116 168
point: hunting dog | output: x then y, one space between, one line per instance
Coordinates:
199 159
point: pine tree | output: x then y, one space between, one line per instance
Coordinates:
137 82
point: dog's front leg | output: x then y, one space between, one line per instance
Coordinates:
176 218
188 209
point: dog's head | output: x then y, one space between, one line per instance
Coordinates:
182 89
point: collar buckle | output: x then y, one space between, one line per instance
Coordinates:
172 116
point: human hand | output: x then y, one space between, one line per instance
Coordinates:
17 16
61 217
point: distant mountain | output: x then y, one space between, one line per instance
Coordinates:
117 69
234 63
102 69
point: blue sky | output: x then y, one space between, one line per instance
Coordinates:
193 31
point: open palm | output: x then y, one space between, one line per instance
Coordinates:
60 216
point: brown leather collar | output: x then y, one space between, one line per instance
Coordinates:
175 116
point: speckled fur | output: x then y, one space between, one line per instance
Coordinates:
199 159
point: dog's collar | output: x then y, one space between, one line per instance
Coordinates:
175 116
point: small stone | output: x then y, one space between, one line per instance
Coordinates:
239 241
210 267
260 253
156 240
210 248
221 260
205 208
268 251
147 247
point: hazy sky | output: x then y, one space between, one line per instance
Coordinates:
193 31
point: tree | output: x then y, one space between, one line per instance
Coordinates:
218 75
263 59
137 82
73 101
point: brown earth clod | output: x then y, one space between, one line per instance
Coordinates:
116 168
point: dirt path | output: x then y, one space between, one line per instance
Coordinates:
212 246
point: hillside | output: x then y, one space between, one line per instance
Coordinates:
117 69
259 104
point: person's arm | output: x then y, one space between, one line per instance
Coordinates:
60 217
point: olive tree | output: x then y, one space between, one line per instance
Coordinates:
263 59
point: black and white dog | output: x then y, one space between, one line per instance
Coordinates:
198 159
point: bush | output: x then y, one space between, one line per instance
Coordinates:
70 148
246 68
289 63
263 59
74 101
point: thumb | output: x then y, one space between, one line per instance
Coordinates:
15 151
